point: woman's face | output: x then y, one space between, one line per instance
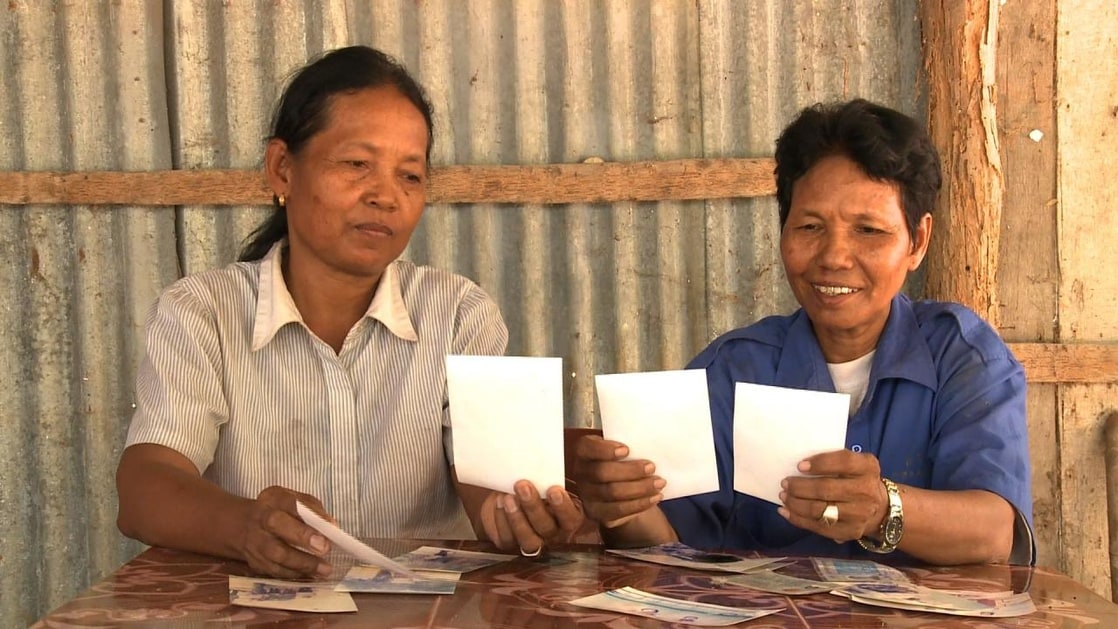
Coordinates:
846 253
356 189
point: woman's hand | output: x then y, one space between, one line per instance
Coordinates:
613 491
848 480
277 542
526 522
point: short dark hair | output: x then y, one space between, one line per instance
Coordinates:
303 109
886 144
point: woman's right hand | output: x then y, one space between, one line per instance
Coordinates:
277 542
613 491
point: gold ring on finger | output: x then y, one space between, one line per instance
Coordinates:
830 514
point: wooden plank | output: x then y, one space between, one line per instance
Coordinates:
960 37
1084 408
1110 457
168 187
1087 192
684 179
1028 285
1044 456
1068 362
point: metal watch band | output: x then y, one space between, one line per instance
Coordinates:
892 527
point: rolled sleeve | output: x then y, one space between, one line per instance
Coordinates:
180 403
981 439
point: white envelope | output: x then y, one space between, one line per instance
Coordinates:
776 427
507 419
664 417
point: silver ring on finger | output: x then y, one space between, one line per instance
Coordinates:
534 553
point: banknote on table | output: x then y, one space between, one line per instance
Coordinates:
300 596
776 583
629 600
436 559
370 579
676 554
914 597
856 571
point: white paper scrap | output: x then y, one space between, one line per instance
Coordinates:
507 419
663 417
349 543
776 427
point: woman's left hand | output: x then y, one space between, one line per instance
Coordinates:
527 522
848 481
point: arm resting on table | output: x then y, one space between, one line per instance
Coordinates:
956 527
164 501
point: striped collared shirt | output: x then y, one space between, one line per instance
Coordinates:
235 381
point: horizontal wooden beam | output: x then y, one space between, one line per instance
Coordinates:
1068 363
687 179
548 184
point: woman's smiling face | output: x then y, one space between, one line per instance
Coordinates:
847 251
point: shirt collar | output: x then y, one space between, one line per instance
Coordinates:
275 307
388 305
801 362
901 352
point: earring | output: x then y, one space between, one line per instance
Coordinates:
282 200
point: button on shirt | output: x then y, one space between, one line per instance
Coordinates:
944 409
234 380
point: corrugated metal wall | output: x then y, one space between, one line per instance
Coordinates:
139 85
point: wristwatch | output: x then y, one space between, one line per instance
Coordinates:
892 527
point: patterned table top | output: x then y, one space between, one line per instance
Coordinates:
168 588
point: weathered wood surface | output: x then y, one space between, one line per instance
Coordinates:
551 184
1083 487
1068 362
960 39
1027 284
1087 192
1110 428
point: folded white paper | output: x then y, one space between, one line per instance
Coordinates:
507 418
349 543
664 417
776 427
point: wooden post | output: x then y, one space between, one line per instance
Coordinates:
1028 284
1112 497
960 40
1087 193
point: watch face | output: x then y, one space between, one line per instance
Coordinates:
894 527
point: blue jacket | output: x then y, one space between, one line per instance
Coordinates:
944 409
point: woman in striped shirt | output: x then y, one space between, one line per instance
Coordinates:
314 368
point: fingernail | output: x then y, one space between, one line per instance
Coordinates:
783 512
524 491
659 483
783 496
318 543
555 496
510 505
784 484
619 452
804 466
656 498
323 570
649 468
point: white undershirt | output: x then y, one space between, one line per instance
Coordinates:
852 377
